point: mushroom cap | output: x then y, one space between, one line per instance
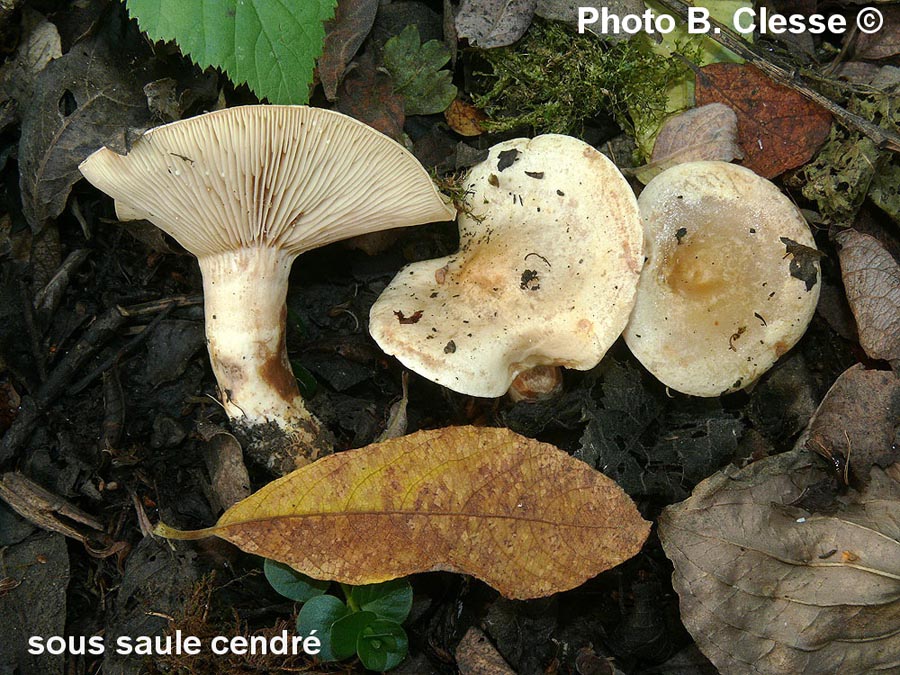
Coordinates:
292 177
728 286
549 259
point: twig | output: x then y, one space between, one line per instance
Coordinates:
128 349
32 407
883 139
34 336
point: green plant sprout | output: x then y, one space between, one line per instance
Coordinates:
366 623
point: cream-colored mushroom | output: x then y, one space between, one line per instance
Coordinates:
247 190
550 253
731 279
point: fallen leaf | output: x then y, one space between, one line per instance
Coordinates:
475 655
804 261
82 101
464 118
38 46
705 133
228 478
344 34
872 281
858 420
883 43
418 72
367 93
778 129
523 516
494 23
770 588
567 11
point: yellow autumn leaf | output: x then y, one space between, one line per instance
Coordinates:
521 515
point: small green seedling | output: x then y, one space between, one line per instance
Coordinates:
366 623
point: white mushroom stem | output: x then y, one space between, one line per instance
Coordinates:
245 293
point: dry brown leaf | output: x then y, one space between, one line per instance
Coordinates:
521 515
475 655
344 34
770 588
778 129
705 133
494 23
883 43
858 421
464 118
872 281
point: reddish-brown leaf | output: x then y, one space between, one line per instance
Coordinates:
344 34
367 94
778 129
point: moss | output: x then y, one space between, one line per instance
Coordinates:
849 167
554 80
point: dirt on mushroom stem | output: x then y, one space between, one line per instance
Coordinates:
245 305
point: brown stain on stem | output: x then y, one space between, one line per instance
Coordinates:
276 368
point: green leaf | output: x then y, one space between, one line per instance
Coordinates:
382 645
390 600
416 69
291 583
320 614
271 45
345 633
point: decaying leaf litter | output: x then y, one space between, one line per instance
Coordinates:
110 409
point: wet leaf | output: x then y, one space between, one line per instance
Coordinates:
82 101
494 23
344 34
705 133
778 129
417 72
872 281
858 421
768 587
521 515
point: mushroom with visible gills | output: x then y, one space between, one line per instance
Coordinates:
731 279
550 253
247 190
